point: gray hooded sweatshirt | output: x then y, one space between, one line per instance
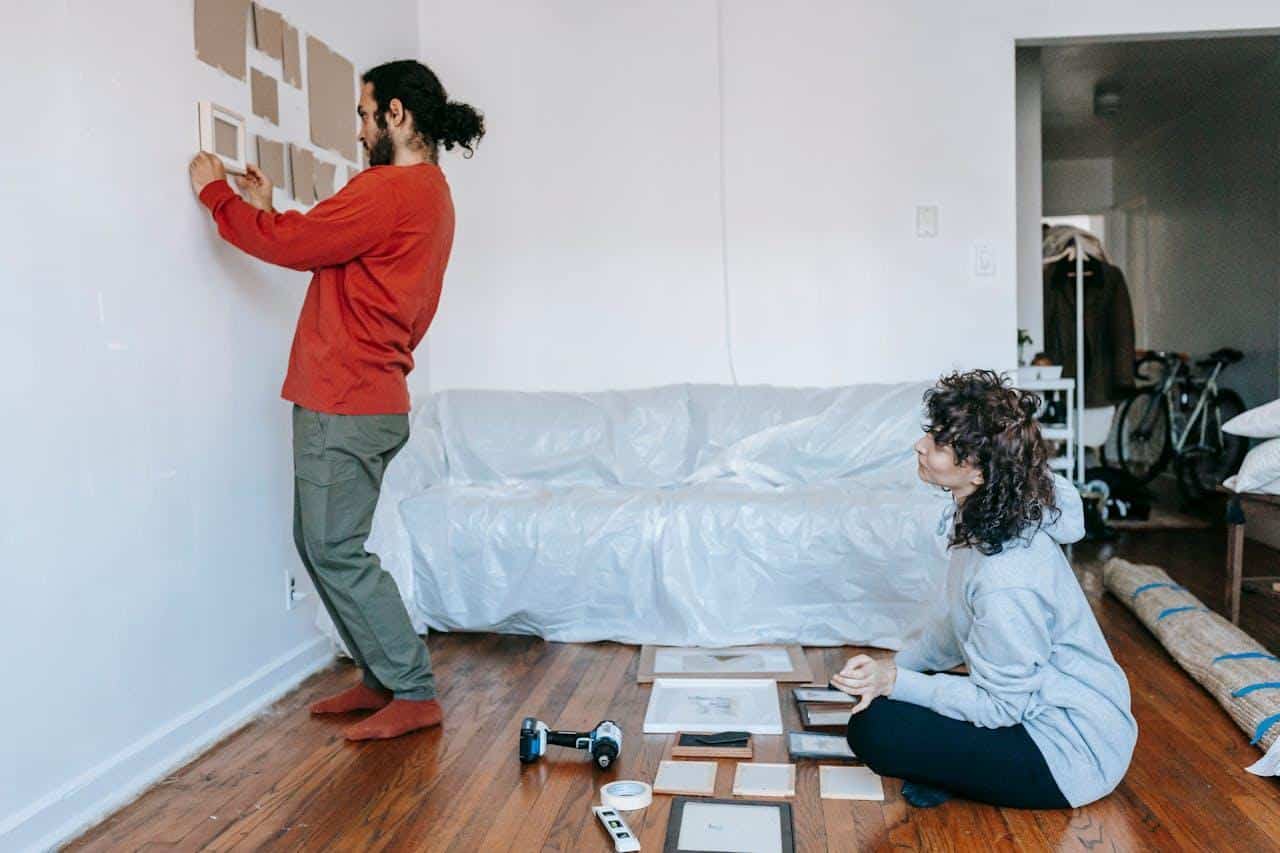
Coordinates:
1035 654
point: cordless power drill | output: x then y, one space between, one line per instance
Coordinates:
604 742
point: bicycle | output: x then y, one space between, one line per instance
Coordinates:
1179 418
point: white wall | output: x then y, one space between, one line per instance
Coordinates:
147 500
1211 185
588 240
1078 186
589 250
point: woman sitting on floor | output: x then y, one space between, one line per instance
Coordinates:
1042 718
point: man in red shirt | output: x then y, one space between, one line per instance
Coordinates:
378 251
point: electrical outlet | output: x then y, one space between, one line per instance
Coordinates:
291 594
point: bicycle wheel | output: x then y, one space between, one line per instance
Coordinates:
1143 440
1218 456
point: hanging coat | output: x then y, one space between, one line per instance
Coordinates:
1108 328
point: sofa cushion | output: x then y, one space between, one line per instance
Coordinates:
609 438
865 431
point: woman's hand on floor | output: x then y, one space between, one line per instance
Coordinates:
865 677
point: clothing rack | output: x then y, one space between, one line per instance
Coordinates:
1079 401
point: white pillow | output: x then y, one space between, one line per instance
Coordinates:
1260 471
1262 422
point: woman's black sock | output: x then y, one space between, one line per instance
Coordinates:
923 796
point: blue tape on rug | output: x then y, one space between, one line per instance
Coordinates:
1247 656
1249 688
1172 610
1261 731
1146 586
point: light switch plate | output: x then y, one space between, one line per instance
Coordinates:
927 220
984 260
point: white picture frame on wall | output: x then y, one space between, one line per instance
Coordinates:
222 133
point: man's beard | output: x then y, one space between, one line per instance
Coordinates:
382 152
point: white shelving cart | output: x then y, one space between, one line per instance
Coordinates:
1067 462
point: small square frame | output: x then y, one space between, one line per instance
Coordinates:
676 820
819 746
210 112
827 775
821 695
745 768
807 713
709 770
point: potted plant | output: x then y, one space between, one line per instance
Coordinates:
1024 340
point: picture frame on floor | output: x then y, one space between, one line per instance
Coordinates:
713 705
686 778
825 716
819 747
751 779
819 695
850 783
780 663
697 825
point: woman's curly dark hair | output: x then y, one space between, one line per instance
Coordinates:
991 425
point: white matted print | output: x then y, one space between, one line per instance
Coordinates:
691 778
731 828
743 659
764 780
713 705
850 783
781 663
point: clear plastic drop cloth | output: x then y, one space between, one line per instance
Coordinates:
682 515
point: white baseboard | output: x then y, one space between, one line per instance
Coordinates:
89 798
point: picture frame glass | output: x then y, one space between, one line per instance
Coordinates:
743 659
833 717
808 743
764 780
687 777
711 705
730 828
821 694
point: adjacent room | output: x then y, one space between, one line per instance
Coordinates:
721 425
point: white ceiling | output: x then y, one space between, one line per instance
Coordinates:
1161 80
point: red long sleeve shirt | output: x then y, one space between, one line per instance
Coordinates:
379 249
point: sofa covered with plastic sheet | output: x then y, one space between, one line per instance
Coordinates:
681 515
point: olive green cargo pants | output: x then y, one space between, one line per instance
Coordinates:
338 463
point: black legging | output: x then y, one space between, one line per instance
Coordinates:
1002 766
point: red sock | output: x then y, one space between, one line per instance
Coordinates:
400 717
358 698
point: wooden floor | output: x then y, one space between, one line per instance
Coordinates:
290 782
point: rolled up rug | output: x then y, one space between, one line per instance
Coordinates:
1236 670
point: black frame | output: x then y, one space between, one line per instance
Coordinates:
819 756
671 845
